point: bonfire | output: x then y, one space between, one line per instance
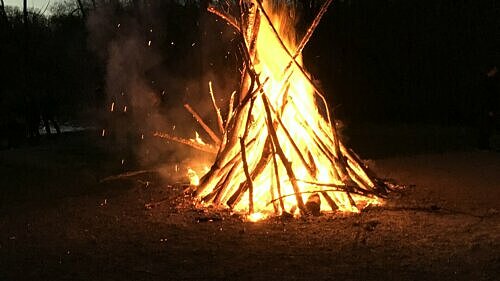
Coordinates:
278 151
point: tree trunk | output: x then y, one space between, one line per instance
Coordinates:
25 13
82 9
3 14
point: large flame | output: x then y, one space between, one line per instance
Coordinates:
292 100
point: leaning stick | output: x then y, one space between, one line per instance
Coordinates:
330 201
271 190
217 170
216 108
230 112
259 167
281 154
278 186
340 187
306 192
228 18
294 145
247 174
312 27
206 148
207 129
125 175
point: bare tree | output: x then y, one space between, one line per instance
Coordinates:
3 14
82 8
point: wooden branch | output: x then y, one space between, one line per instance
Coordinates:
330 201
304 73
259 167
247 174
230 112
207 129
219 167
255 32
228 18
125 175
312 27
281 154
276 172
225 183
206 148
216 108
294 145
340 187
306 192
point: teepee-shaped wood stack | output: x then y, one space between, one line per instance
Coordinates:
278 151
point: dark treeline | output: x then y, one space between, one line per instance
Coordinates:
382 60
47 73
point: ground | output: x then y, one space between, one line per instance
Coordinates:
59 220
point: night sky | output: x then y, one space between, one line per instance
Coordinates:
31 3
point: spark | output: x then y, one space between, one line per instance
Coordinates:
112 106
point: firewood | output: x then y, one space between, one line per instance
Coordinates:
230 111
216 109
284 160
247 174
206 147
278 185
207 129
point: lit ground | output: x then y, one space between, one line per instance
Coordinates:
57 222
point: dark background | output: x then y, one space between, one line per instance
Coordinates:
397 62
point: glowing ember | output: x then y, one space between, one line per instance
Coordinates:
256 217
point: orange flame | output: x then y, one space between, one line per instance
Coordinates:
299 119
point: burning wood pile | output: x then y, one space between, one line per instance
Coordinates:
278 151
